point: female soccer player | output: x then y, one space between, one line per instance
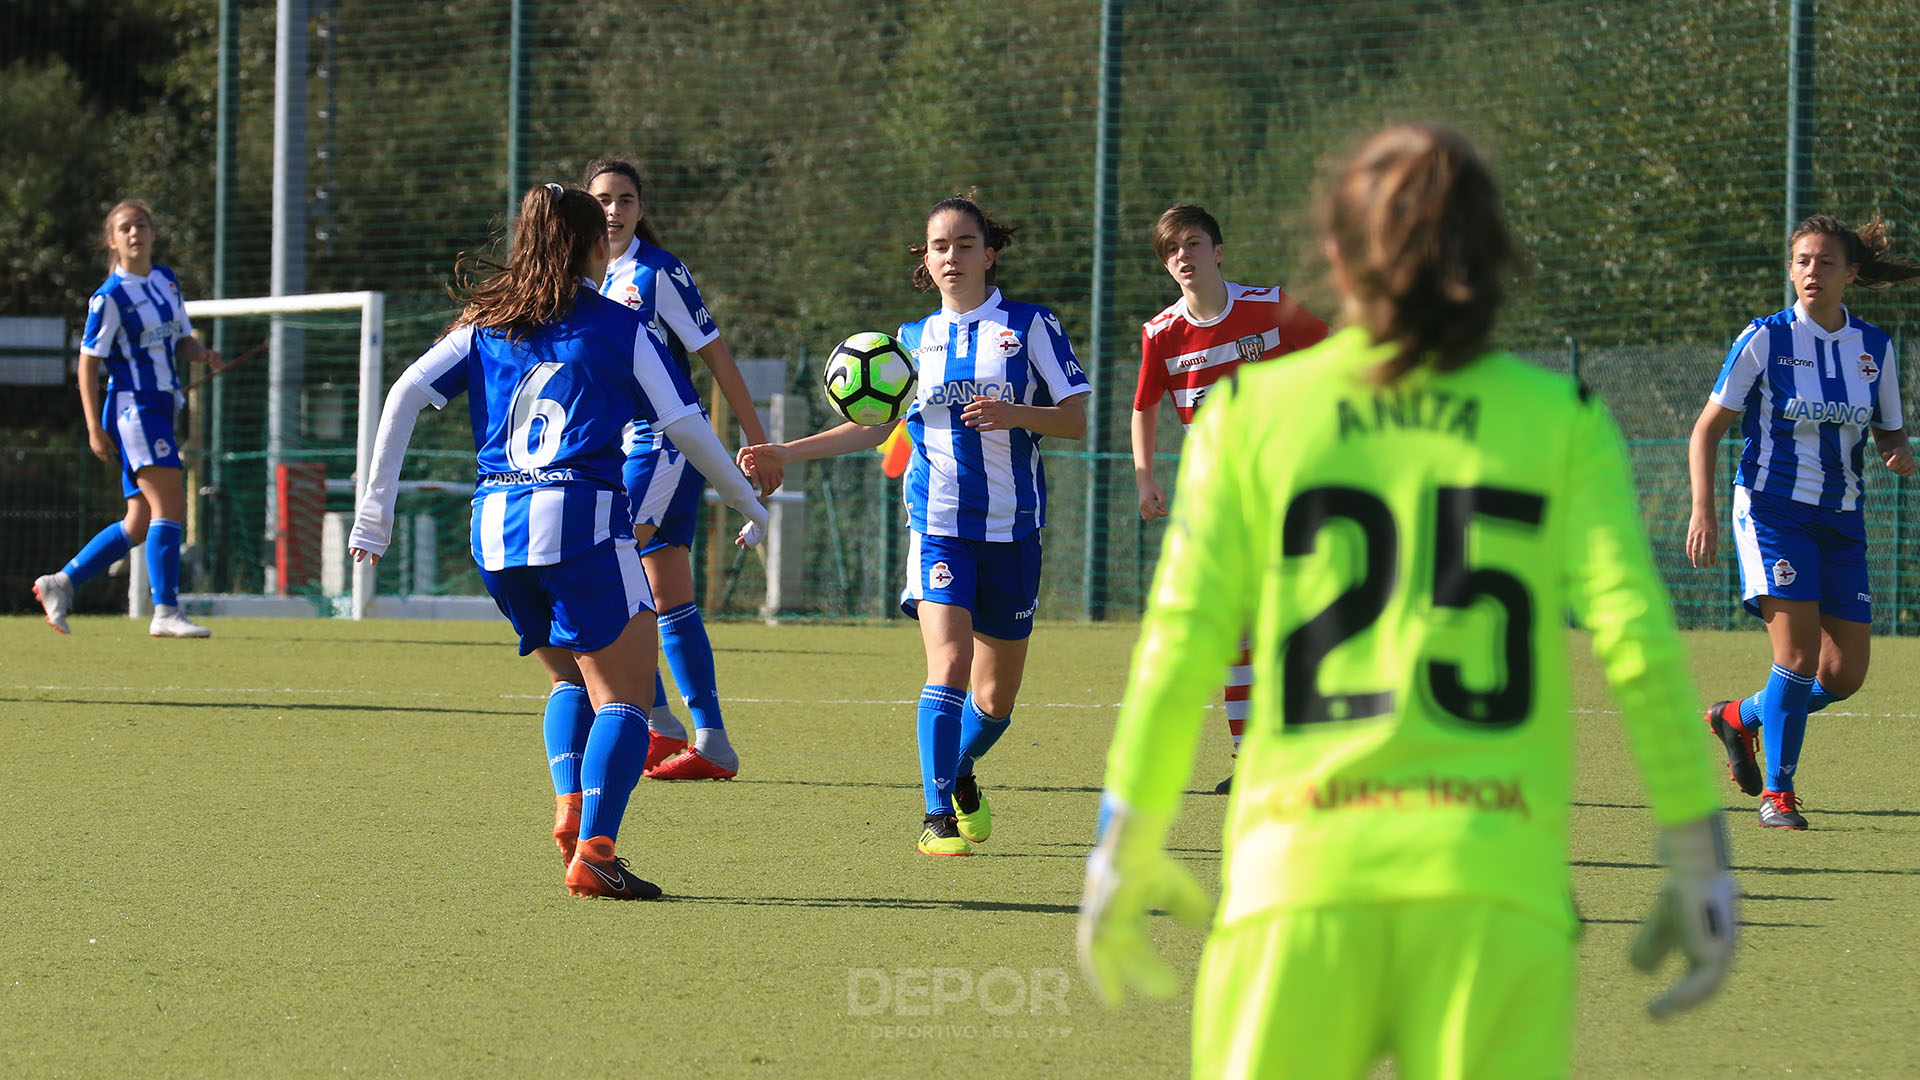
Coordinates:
1812 381
995 376
553 372
1201 338
137 322
1401 514
663 492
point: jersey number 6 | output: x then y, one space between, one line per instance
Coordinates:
529 406
1455 585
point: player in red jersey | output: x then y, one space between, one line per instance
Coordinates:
1213 328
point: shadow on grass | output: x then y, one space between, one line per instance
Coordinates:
1745 868
275 706
990 789
1748 808
1584 920
901 903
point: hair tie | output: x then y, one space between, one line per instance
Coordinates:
558 192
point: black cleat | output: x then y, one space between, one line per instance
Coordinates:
1741 766
1224 787
1780 810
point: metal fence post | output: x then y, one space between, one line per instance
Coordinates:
1106 172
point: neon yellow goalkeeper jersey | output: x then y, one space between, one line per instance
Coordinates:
1406 558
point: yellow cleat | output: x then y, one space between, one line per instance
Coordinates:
976 824
942 837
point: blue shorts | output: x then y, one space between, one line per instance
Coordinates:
141 423
999 582
582 603
1798 551
664 491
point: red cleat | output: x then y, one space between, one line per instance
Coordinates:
659 749
566 824
690 765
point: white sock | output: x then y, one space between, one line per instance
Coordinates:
712 743
662 722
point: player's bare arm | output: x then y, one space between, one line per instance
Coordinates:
1153 501
1703 525
1895 450
1067 420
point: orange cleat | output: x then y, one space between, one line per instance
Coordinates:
566 825
595 871
691 765
659 749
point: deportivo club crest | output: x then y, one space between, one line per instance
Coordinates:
1249 348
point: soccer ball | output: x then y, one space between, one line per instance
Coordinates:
870 379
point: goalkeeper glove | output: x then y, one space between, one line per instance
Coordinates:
1697 912
1128 875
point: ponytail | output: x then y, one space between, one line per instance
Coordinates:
552 237
1867 250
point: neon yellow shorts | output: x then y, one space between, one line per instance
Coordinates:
1450 989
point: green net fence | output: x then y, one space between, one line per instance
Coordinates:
791 152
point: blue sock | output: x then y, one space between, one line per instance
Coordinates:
1750 707
106 548
659 690
683 637
616 752
1783 724
940 708
569 718
163 561
978 733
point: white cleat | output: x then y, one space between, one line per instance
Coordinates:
174 624
56 596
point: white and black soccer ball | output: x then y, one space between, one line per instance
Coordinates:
870 379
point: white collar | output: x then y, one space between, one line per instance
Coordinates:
992 301
1800 313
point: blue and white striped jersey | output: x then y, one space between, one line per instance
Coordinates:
1808 396
547 414
973 484
133 322
653 282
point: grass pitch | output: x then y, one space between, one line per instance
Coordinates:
309 847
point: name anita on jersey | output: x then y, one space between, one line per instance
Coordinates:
1414 410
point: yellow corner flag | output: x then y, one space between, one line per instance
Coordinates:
895 451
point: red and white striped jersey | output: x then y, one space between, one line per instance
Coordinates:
1182 356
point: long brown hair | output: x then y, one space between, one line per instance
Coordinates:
621 166
552 237
1416 220
992 233
106 227
1866 250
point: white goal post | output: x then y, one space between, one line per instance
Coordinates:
784 417
373 312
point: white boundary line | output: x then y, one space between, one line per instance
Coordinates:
286 690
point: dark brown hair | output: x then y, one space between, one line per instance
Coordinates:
1866 249
106 227
993 233
621 166
1416 220
1175 223
552 237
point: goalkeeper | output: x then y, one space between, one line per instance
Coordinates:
1406 545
